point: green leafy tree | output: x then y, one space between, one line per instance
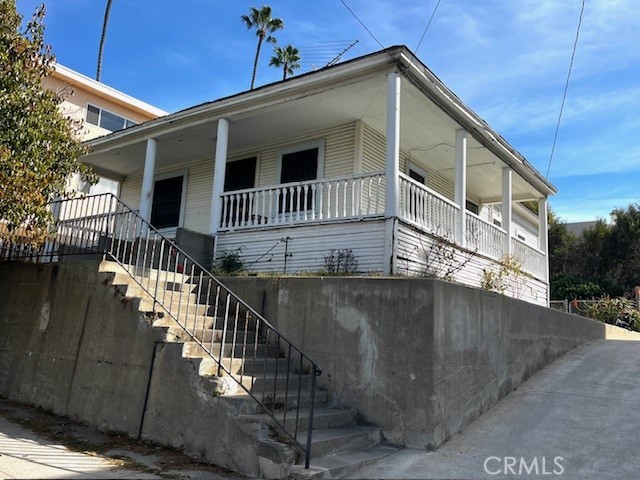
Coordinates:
264 25
287 58
103 37
38 145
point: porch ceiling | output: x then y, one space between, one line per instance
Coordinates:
427 134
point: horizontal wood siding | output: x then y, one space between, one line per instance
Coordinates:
419 253
338 153
263 251
199 188
373 159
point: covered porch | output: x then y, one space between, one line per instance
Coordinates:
372 144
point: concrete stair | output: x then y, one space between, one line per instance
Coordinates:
339 444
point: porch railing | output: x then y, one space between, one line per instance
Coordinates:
243 344
356 196
533 260
426 208
485 237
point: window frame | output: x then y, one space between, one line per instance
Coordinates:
183 198
411 165
299 147
100 110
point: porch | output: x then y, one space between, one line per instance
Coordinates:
362 197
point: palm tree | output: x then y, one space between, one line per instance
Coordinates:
102 39
288 58
264 25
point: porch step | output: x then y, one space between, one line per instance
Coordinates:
245 405
193 349
327 441
208 335
323 418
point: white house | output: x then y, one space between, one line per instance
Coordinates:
375 155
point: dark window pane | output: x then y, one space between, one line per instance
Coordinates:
298 167
472 207
93 115
239 175
417 177
111 121
167 199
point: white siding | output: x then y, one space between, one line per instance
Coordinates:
199 187
263 250
416 255
373 160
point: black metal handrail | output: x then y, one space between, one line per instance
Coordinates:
220 323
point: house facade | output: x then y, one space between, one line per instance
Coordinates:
373 162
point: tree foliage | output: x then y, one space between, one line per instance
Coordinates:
38 145
287 58
264 24
603 260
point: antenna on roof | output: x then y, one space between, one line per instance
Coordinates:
337 58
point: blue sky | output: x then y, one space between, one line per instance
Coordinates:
506 59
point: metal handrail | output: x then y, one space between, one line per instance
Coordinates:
103 224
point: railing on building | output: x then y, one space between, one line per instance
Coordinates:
102 225
427 209
533 261
356 196
485 237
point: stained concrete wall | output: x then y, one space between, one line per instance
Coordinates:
420 358
71 344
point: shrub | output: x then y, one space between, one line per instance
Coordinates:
609 310
341 261
229 263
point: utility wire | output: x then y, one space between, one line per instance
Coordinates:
566 87
428 25
363 25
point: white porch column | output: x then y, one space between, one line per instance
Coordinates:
543 234
507 195
222 145
146 195
392 172
461 186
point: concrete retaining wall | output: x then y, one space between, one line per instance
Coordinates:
420 358
71 344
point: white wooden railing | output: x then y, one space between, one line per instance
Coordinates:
533 260
485 237
355 196
427 209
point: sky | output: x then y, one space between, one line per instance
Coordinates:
506 59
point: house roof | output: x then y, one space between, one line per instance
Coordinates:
398 58
85 83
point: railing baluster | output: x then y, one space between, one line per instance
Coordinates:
143 252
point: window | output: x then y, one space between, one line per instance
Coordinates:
107 120
299 165
417 173
472 207
166 208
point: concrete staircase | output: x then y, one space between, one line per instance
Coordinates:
339 444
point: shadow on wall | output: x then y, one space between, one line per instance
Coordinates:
420 358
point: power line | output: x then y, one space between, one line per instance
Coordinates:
566 87
428 25
363 25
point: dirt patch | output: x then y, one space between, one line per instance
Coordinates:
139 455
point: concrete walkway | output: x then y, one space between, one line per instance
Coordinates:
584 408
24 454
